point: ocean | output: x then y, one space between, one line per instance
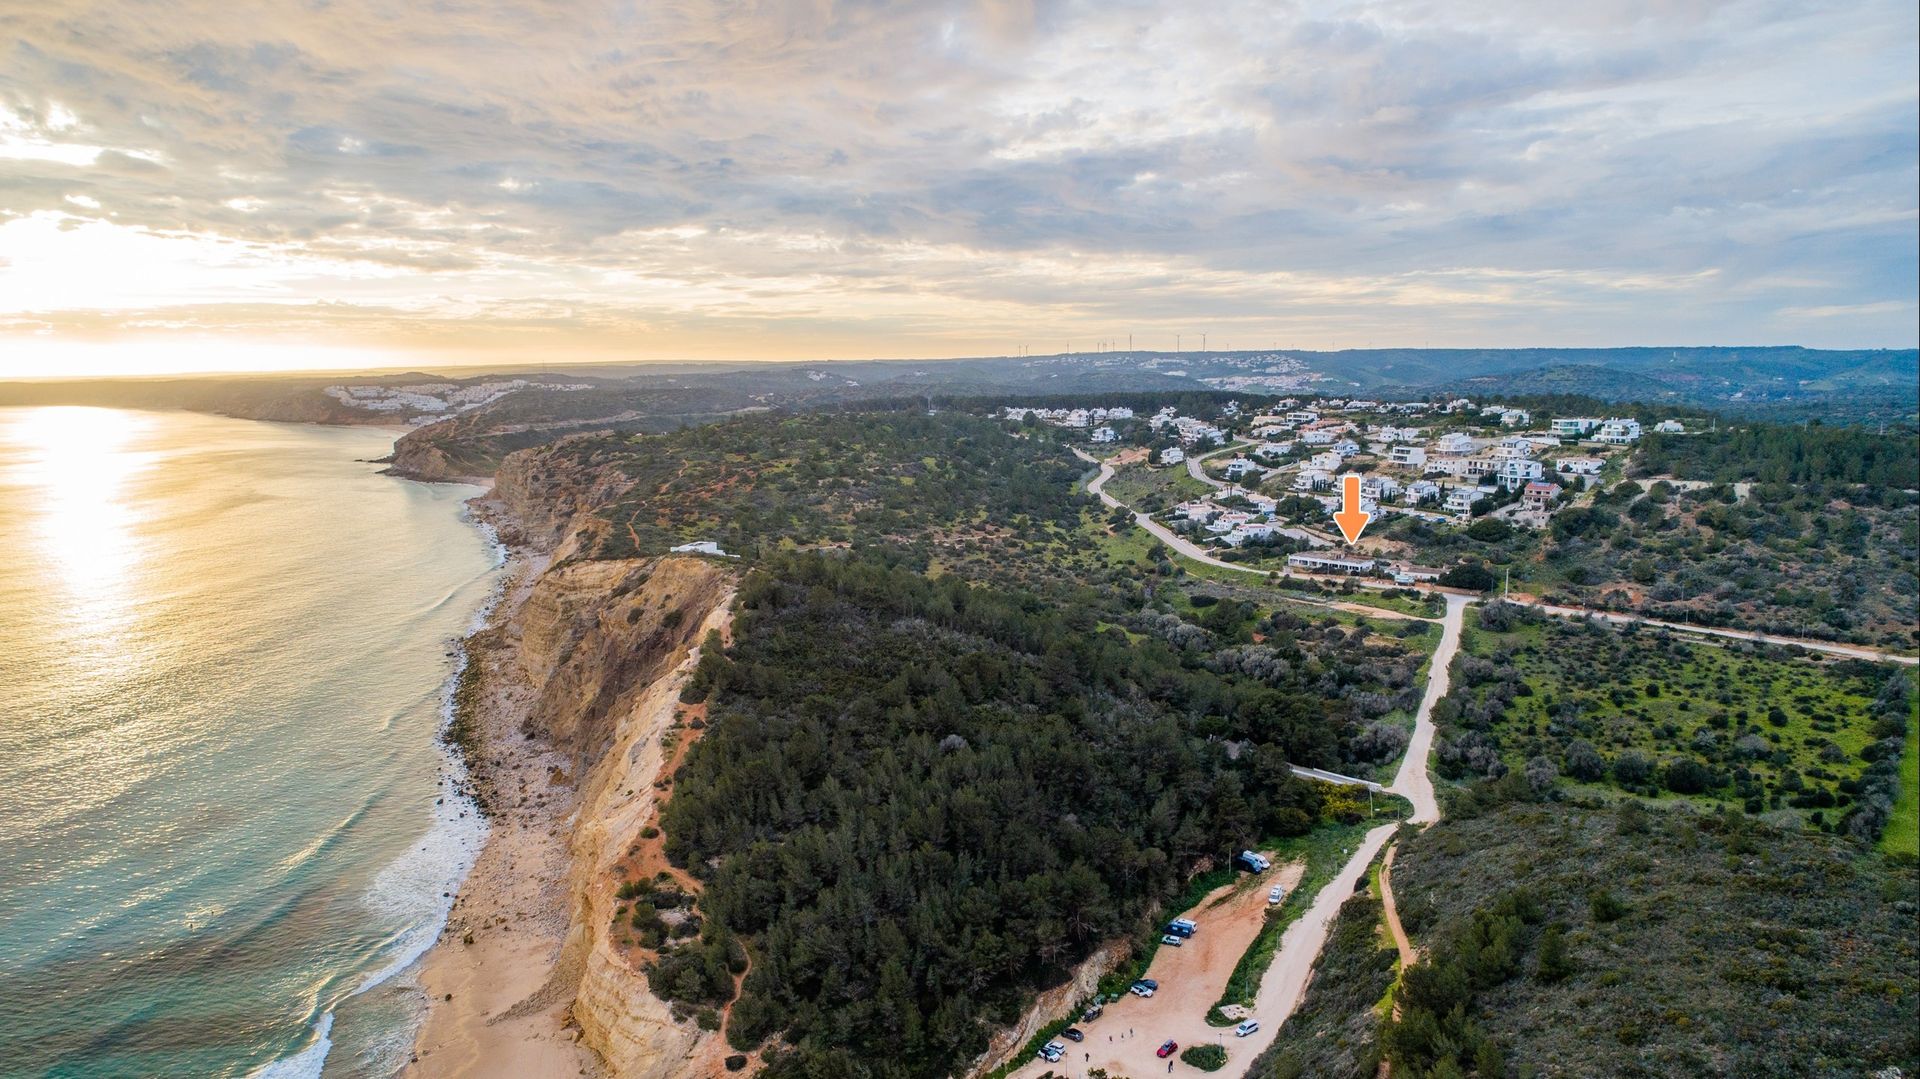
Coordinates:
228 825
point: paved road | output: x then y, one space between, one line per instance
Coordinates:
1325 776
1855 651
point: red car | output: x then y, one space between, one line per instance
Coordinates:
1167 1049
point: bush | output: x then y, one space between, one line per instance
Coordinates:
1490 530
1632 768
1473 576
1688 776
1208 1058
1606 906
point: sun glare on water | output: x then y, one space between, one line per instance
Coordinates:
78 463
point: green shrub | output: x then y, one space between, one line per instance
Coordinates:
1208 1058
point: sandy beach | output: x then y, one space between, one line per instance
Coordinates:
486 1013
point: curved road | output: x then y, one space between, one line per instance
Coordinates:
1190 549
1199 554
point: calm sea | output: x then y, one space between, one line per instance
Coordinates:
225 648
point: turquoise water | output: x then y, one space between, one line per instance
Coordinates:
224 653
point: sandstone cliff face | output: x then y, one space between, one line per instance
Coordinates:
549 499
607 646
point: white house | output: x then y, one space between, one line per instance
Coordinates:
1580 466
1375 488
701 547
1172 456
1460 500
1619 432
1422 490
1453 442
1104 434
1319 563
1318 438
1515 417
1346 447
1670 427
1573 426
1517 472
1240 466
1312 479
1329 461
1409 456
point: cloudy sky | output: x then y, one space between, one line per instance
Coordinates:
344 181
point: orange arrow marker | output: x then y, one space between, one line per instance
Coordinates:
1351 518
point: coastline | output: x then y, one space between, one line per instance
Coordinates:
482 977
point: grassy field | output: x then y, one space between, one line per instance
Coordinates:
1664 716
1154 490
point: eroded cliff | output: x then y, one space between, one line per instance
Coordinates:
606 647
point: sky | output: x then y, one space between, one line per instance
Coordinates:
347 183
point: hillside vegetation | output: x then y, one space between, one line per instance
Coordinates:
1585 939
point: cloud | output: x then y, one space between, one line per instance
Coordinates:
807 178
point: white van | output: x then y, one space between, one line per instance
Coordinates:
1246 1028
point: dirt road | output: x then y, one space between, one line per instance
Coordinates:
1413 782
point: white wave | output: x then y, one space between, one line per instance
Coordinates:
305 1064
416 889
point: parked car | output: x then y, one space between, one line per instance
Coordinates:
1139 990
1091 1014
1172 941
1182 927
1277 894
1166 1049
1246 1028
1074 1034
1052 1052
1149 983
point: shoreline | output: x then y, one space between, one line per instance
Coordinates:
482 977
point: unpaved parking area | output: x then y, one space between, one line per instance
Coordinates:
1191 978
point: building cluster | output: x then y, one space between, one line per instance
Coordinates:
1076 418
1412 470
1190 431
433 399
